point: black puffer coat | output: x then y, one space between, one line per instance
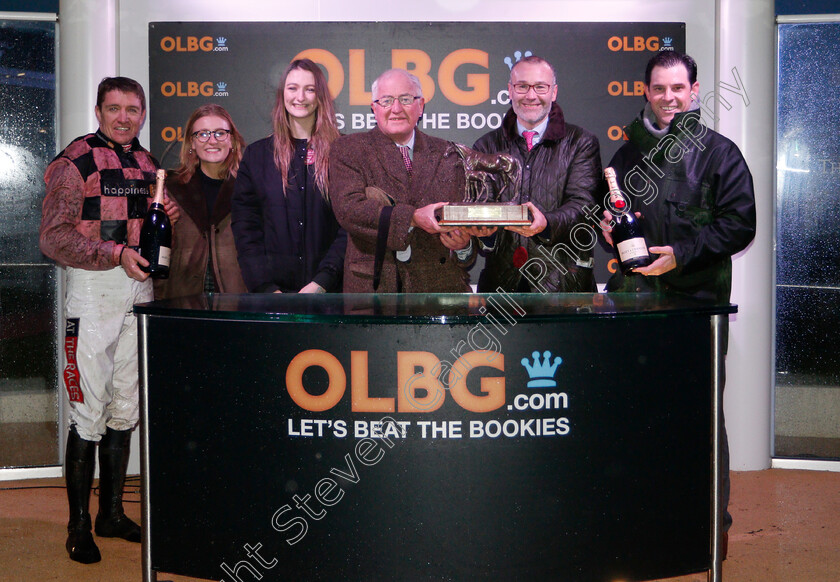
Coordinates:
560 175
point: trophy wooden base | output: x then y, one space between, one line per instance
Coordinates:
484 214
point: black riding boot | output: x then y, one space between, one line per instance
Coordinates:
111 521
78 474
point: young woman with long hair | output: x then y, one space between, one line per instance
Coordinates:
286 235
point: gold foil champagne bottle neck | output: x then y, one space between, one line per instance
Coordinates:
160 179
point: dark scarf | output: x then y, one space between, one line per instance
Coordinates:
644 134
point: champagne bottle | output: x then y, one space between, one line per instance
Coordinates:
156 234
627 234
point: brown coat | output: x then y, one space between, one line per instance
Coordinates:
371 159
192 237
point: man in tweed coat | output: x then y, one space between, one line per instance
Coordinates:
385 187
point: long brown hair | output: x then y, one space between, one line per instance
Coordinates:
323 134
189 159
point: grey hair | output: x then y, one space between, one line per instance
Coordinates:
535 60
415 82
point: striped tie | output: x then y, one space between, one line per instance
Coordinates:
406 158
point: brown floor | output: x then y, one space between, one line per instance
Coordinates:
787 529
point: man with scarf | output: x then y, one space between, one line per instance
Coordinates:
691 185
694 192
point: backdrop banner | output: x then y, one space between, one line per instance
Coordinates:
464 68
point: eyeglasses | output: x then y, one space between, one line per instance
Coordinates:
405 100
204 135
539 88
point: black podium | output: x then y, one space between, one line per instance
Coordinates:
430 437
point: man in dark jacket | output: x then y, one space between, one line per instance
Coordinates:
694 192
561 172
691 185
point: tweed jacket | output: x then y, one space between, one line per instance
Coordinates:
194 234
372 160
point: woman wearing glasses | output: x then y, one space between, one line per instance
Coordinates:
203 252
286 235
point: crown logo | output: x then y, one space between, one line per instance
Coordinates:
667 40
517 56
221 85
220 40
542 374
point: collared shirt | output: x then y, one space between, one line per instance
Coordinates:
409 144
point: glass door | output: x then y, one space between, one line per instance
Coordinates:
807 393
29 398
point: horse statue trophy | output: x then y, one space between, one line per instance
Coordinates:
481 205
